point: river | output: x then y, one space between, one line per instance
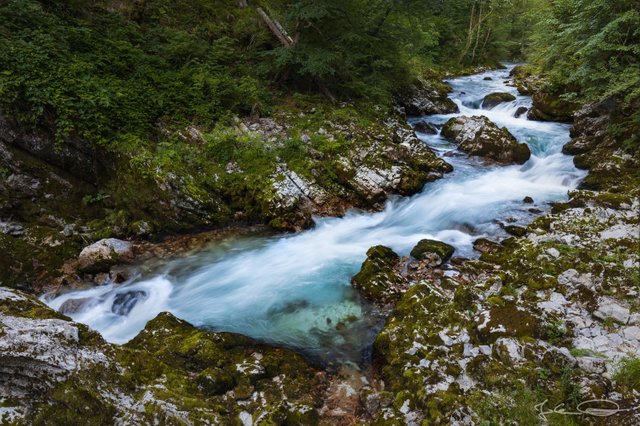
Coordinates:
294 290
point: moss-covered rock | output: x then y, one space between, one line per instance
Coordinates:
479 136
378 279
172 373
427 248
551 107
494 99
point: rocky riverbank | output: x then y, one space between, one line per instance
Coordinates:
306 158
549 315
547 318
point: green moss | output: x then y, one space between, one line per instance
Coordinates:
378 280
426 247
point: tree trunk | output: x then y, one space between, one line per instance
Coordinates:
469 34
275 28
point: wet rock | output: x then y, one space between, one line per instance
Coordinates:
527 200
479 136
123 303
101 255
487 78
378 279
73 306
493 99
428 248
520 111
425 127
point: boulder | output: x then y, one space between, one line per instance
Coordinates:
520 111
437 250
493 99
425 127
101 255
426 98
611 308
550 107
378 279
479 136
518 231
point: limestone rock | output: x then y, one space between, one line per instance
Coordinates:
103 254
479 136
378 279
611 308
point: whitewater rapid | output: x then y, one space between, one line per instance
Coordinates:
294 290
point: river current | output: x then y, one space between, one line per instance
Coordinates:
294 290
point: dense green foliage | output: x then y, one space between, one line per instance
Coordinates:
116 71
104 73
592 46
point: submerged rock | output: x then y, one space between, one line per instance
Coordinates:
520 111
493 99
103 254
378 279
432 249
479 136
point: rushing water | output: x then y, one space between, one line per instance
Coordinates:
294 290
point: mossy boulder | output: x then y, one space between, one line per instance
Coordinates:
378 279
429 248
171 373
479 136
551 107
494 99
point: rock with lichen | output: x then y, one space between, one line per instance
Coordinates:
379 279
60 372
479 136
